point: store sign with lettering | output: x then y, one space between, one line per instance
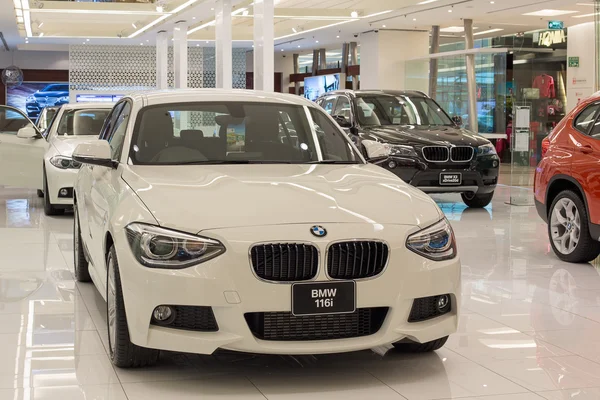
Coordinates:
551 38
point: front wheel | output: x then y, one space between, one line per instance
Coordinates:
475 200
568 229
413 347
122 352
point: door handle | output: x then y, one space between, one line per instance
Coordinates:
586 149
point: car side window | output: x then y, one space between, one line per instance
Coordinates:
117 136
328 104
110 122
342 107
586 118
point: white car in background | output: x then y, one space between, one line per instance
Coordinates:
72 125
205 226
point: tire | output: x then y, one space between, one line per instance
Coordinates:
474 200
49 209
570 242
421 347
122 352
40 193
82 272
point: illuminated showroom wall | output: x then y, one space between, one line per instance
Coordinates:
127 68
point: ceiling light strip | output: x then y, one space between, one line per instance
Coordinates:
316 29
162 18
26 18
210 23
106 12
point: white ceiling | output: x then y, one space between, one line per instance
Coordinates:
300 25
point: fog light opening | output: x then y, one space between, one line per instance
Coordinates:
163 315
443 303
392 164
64 192
495 163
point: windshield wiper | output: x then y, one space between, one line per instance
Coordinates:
332 162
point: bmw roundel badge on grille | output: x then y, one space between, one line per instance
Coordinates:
318 231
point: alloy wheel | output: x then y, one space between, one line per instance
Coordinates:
111 297
565 225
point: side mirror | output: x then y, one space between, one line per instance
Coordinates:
376 151
28 132
458 121
94 153
342 121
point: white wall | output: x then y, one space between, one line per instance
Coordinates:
383 56
284 65
35 59
581 82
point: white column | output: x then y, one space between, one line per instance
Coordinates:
471 84
162 66
264 48
180 54
223 44
383 58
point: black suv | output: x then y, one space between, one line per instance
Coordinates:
423 145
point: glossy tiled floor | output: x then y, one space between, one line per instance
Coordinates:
530 327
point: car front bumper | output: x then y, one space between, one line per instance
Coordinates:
480 175
58 179
228 285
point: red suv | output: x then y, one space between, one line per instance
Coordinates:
567 183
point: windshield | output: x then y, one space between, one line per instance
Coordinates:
56 88
237 133
399 110
82 122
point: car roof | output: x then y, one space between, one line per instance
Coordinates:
358 93
81 106
166 96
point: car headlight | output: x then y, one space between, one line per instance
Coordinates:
63 99
63 162
435 242
486 150
30 98
401 150
157 247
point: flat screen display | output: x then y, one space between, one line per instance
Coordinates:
32 97
315 86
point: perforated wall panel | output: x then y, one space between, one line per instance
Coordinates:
124 68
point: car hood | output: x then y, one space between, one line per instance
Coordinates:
196 198
51 94
426 135
65 145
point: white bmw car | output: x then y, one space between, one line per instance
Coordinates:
205 227
72 125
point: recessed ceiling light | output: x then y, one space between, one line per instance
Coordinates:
281 49
383 26
414 19
354 14
492 2
549 13
193 17
197 44
316 41
450 10
87 40
212 9
141 44
298 46
338 36
207 42
584 15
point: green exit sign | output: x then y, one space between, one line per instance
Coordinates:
556 25
574 62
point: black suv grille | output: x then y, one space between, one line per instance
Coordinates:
285 262
192 318
283 326
435 153
356 259
461 154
